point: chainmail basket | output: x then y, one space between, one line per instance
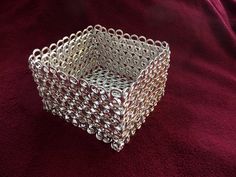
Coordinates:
102 80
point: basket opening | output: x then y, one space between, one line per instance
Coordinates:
102 57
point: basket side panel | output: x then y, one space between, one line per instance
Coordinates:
146 92
82 104
124 54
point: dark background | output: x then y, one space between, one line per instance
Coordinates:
192 131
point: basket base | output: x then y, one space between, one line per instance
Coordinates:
107 79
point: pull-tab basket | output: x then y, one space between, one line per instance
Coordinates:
103 81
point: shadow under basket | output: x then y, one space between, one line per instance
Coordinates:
102 80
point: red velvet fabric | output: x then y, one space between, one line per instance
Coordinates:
192 131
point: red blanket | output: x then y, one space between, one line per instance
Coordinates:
192 131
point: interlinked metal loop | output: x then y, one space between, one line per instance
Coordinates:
103 81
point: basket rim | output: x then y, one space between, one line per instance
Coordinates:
34 58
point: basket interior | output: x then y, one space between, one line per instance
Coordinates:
103 58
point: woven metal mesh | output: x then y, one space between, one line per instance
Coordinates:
102 80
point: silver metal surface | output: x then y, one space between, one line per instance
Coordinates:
102 80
